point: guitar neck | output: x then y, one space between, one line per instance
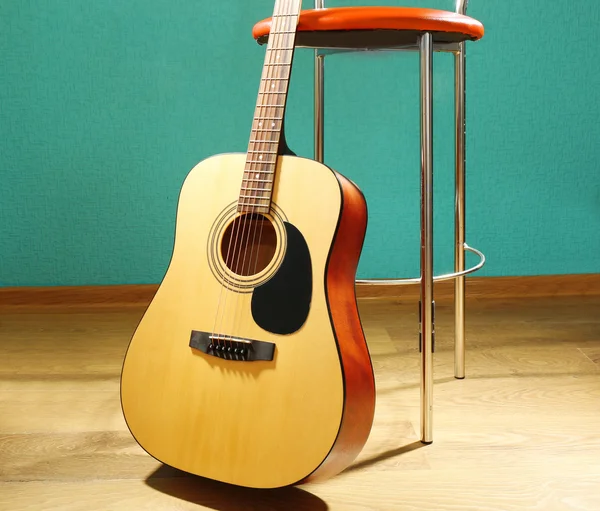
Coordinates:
261 159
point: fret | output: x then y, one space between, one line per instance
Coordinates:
275 74
257 170
276 63
247 203
279 63
250 208
268 162
278 32
246 189
270 181
257 184
271 85
243 196
259 152
254 180
279 75
243 201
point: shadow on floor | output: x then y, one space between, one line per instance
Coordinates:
386 455
224 497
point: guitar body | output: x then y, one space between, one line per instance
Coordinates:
305 410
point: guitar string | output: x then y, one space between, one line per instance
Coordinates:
255 156
265 143
272 86
229 282
289 52
221 337
292 10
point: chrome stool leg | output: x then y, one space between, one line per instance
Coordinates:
427 302
319 99
459 221
319 107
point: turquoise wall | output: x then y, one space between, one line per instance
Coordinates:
106 105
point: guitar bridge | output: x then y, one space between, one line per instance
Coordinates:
232 348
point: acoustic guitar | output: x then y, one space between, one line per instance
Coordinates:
250 364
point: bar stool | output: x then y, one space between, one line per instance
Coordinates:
345 29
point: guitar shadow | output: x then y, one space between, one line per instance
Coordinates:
225 497
392 453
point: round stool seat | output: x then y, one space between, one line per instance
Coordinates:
376 27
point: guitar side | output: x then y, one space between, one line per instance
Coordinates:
358 371
305 414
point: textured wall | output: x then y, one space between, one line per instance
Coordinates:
106 106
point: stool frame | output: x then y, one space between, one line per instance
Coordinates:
426 49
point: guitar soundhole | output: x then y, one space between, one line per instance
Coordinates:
249 244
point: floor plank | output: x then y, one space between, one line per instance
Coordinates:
519 433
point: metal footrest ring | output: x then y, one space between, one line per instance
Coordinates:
447 276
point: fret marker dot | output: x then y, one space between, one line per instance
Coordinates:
260 157
260 124
273 86
257 175
273 125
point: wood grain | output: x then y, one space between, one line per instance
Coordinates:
593 354
519 433
477 287
179 402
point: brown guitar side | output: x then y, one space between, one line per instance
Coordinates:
359 383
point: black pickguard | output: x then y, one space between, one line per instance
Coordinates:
281 304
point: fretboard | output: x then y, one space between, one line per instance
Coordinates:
261 159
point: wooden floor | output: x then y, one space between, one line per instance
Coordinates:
521 432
